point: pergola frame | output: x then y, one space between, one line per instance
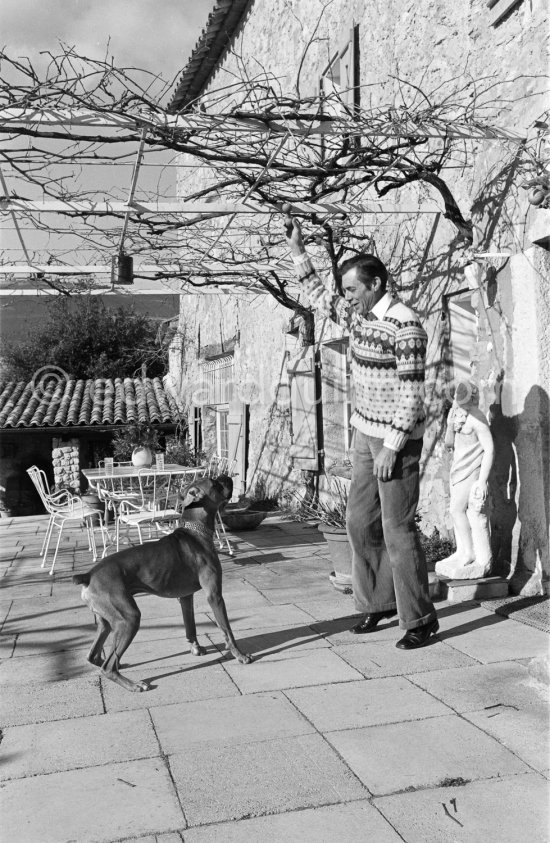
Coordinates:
149 126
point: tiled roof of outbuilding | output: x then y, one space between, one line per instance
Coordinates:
98 402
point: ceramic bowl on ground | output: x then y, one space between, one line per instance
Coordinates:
245 519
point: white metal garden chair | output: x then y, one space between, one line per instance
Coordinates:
155 509
64 507
112 490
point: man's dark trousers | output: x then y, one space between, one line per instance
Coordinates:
389 567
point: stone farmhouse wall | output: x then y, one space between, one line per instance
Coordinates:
507 301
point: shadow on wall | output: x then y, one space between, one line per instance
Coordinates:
533 506
522 465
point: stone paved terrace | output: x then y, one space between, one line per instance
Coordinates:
325 737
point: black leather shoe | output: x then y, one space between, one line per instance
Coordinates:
418 637
371 621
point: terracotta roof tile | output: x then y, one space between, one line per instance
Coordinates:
62 409
9 398
100 402
222 25
72 415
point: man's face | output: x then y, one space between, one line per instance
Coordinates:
361 298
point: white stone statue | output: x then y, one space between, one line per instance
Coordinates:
469 437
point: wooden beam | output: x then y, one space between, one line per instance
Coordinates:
207 208
148 269
140 287
290 123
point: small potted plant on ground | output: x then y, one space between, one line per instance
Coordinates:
331 515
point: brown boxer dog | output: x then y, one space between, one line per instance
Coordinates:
177 565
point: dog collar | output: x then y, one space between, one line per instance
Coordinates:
197 527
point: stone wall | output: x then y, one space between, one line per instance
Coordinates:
426 43
66 464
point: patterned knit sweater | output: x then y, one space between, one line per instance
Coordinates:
387 362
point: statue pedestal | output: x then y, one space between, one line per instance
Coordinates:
458 571
484 588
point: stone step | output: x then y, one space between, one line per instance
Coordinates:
434 585
484 588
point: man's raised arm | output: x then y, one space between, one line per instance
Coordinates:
326 301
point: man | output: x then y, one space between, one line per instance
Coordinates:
388 351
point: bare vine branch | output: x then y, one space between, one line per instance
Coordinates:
249 140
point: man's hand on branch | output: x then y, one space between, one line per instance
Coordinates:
293 231
384 463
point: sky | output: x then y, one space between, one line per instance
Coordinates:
157 35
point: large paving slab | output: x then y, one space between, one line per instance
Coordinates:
269 616
501 641
355 822
171 625
201 681
7 645
461 618
51 639
506 810
483 686
423 753
98 804
169 837
352 705
40 702
261 778
32 610
284 555
4 610
80 742
33 589
384 659
277 640
290 594
290 670
238 595
48 620
234 720
524 732
52 667
338 631
157 607
157 653
337 605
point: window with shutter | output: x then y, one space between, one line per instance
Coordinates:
303 402
461 335
498 9
217 392
337 400
339 84
218 378
222 431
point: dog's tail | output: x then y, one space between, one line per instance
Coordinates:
82 579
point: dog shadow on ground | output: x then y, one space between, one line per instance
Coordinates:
259 646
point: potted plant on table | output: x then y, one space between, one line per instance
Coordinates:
137 441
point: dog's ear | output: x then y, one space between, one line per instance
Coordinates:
191 494
225 484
